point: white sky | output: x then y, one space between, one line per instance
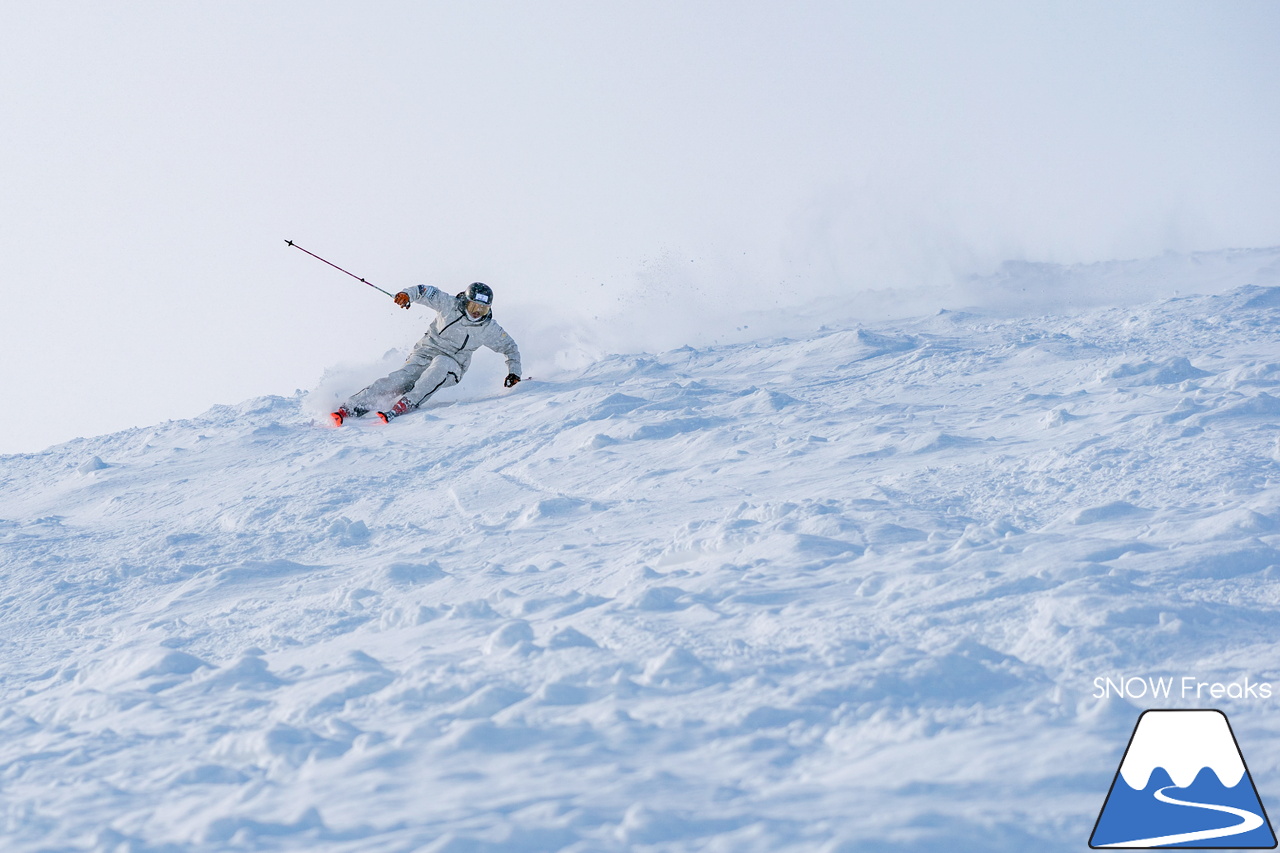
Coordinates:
606 166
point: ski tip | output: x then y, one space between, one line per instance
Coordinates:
337 418
382 416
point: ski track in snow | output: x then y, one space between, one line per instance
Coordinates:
845 593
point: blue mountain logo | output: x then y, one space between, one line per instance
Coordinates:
1183 783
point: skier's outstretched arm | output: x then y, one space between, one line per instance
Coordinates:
424 294
506 346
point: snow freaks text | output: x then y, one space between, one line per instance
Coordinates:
1171 687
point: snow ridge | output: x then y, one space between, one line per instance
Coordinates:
848 591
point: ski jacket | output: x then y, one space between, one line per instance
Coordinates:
454 334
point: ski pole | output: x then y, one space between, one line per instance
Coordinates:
340 269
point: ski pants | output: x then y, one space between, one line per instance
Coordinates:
423 375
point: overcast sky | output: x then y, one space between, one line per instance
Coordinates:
596 162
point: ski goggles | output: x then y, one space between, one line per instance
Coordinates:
477 309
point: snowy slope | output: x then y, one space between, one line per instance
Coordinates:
846 592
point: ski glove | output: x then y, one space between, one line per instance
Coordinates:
402 299
511 380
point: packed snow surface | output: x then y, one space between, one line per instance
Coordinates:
845 592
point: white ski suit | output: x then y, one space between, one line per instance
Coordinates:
442 356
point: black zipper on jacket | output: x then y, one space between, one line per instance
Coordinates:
451 322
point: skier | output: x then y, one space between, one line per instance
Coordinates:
463 324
